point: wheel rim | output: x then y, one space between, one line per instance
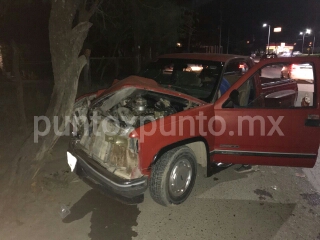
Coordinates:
180 178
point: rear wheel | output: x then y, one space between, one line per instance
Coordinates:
173 176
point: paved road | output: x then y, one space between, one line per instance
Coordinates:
271 203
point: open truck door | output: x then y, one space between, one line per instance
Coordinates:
271 115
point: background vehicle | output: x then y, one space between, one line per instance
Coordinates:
296 53
285 54
298 72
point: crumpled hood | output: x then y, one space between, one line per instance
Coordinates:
105 119
146 84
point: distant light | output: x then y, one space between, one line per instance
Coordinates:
277 29
264 25
196 68
308 31
301 33
248 41
178 44
295 44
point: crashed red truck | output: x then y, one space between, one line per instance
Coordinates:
189 110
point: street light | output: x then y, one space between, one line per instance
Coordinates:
308 31
264 25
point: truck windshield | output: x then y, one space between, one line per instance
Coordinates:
193 77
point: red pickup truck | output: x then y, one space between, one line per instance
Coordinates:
189 110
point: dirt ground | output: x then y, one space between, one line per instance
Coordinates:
269 203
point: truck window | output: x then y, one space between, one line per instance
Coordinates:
234 70
278 86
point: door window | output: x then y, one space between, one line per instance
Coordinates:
277 86
234 70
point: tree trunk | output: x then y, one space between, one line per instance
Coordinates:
65 45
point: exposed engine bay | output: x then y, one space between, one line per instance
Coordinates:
103 125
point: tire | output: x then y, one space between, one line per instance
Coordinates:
165 187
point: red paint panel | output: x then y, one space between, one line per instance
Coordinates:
271 161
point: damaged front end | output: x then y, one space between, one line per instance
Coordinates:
102 127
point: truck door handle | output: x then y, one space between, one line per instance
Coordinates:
312 123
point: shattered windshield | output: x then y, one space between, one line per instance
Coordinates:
193 77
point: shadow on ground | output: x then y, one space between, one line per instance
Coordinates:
110 219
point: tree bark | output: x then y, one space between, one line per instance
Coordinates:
65 45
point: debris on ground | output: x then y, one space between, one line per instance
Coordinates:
300 175
64 211
75 180
57 179
274 187
255 168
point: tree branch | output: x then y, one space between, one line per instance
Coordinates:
80 28
84 15
82 60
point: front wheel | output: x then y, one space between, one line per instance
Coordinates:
173 176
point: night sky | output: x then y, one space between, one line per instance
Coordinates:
241 20
244 18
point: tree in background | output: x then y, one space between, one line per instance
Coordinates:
134 28
68 27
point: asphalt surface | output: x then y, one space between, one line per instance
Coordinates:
269 203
